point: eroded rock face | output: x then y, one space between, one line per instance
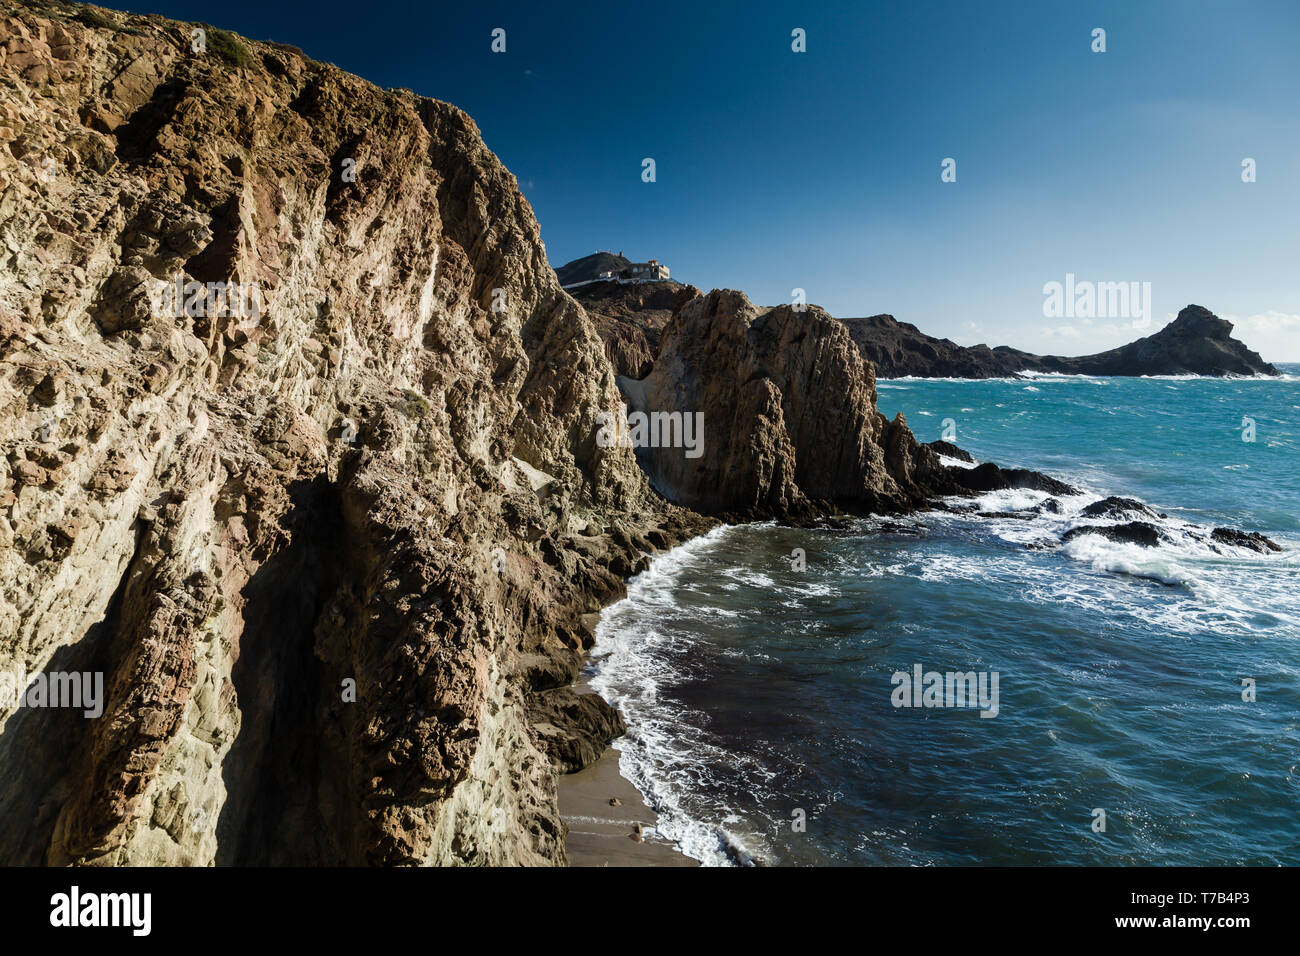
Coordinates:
788 406
630 319
319 553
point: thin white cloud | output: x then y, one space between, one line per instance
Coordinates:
1062 331
1274 335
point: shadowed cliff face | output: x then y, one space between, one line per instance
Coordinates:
330 556
630 319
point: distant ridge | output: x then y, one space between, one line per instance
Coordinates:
1197 342
590 267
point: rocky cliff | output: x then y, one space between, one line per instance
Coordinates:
1197 342
787 409
330 552
630 320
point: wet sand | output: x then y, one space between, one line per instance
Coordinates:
601 835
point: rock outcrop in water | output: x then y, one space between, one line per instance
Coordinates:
1197 342
328 553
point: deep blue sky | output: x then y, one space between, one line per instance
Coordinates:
822 170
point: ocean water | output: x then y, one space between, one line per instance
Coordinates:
760 696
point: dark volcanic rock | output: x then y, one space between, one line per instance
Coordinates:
1115 507
1245 539
1197 342
989 477
574 728
899 349
949 450
1134 532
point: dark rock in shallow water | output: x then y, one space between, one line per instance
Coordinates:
1116 507
1148 535
989 477
1134 532
1245 539
893 527
949 450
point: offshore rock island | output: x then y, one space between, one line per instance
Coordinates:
340 559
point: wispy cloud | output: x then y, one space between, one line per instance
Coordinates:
1274 335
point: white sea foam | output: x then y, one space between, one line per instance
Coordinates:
666 754
1212 574
1103 554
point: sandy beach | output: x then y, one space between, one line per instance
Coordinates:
601 834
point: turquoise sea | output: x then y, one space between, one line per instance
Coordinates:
760 696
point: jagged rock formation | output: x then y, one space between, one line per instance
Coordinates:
380 479
899 349
630 319
1197 342
788 406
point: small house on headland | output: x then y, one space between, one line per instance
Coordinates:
645 271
